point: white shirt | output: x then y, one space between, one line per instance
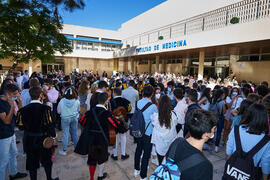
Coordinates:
87 102
36 101
102 106
163 137
132 96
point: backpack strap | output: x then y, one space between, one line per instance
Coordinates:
146 106
259 146
237 139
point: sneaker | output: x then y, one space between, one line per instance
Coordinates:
71 143
62 152
103 177
114 157
124 157
17 176
136 173
216 149
155 161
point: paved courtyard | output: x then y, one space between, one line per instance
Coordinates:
73 166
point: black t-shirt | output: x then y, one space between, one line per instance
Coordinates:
6 130
202 171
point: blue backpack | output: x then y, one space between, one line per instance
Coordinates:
170 169
137 123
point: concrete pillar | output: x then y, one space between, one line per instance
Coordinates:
129 64
163 66
201 64
157 64
115 65
134 69
234 57
186 62
149 66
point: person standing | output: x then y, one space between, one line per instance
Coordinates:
37 123
98 120
116 103
8 150
69 108
164 131
144 143
132 95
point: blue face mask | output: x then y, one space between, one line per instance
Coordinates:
14 98
169 89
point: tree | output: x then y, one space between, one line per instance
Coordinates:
31 29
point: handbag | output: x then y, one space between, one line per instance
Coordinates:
48 142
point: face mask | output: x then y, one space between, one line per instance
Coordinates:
234 93
169 89
88 87
120 87
157 96
14 98
212 136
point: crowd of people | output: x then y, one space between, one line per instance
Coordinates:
181 117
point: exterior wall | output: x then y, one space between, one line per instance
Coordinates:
174 68
169 12
253 71
97 65
36 65
143 68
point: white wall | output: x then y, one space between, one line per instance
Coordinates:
89 54
169 12
237 33
92 32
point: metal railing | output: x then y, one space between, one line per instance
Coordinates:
247 10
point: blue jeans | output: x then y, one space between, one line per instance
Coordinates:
220 126
143 145
8 153
69 125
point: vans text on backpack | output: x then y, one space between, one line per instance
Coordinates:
241 165
137 123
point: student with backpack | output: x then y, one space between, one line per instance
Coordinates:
218 107
184 159
248 147
143 136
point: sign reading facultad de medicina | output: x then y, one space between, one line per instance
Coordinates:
169 45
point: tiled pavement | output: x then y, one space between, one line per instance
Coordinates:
73 166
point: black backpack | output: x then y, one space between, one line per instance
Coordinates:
241 165
137 124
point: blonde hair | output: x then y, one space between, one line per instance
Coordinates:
94 87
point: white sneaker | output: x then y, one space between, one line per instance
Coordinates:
216 149
136 173
155 161
143 178
62 152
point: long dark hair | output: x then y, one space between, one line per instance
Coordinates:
217 95
206 93
165 111
256 120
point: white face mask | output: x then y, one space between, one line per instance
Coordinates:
212 136
157 96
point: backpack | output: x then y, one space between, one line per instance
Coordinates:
137 123
241 165
171 170
214 108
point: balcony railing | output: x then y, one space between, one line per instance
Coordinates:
247 10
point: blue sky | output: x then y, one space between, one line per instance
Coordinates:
108 14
